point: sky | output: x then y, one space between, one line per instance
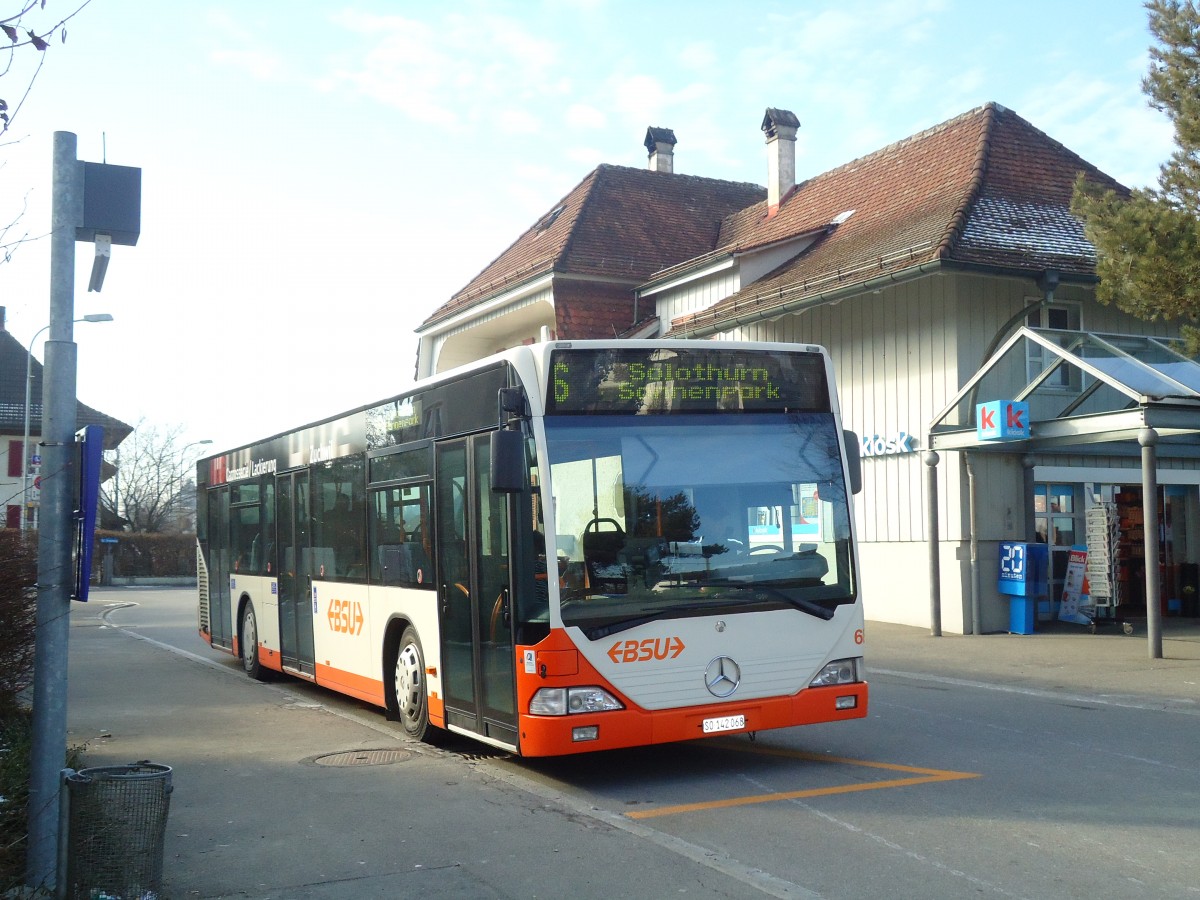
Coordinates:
317 178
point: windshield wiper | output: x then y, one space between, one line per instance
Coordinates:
811 607
804 605
595 632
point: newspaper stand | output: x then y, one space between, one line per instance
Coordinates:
1023 578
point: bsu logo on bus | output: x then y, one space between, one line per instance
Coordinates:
345 616
643 651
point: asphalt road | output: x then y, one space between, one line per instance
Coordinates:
952 787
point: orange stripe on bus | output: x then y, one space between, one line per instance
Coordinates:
368 689
269 659
437 710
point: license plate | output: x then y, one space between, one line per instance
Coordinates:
724 723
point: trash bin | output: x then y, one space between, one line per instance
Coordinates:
116 826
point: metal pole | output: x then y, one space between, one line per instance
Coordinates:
54 537
931 459
976 628
1148 437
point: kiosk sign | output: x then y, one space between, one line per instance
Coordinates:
1002 420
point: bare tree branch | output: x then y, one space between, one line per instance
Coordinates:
12 28
154 487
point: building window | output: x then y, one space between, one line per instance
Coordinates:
1061 317
15 457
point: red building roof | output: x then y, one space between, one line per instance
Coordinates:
983 189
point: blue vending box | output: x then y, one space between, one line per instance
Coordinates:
1023 577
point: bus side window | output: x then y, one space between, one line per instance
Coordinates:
398 555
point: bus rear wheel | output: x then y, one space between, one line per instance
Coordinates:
409 693
248 645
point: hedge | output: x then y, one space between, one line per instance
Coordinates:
18 610
137 554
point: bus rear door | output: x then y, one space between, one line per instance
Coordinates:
295 565
220 617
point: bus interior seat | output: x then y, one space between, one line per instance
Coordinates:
602 559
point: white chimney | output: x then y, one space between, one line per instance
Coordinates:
780 127
660 144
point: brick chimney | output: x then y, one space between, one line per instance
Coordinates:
660 144
780 127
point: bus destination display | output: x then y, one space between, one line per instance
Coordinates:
687 380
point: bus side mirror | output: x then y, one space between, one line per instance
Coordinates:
853 460
509 473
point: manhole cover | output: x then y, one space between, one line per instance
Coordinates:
363 758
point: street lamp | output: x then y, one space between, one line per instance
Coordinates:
92 317
190 508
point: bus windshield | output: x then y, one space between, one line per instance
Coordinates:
698 515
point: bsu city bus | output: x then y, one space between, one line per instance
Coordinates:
568 546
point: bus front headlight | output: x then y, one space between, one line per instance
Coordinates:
569 701
840 671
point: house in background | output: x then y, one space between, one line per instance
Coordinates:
913 265
14 363
576 272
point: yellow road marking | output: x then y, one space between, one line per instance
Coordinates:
920 776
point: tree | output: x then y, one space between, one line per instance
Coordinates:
28 41
1147 242
20 35
154 487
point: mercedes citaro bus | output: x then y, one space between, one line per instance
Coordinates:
569 546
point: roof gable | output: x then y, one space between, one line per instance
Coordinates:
984 188
620 224
14 358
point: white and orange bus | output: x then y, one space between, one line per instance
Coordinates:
569 546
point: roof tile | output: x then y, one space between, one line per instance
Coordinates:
618 223
983 188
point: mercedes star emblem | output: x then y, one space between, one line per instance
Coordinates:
722 677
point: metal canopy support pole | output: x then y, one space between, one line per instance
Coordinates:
976 628
931 459
1148 438
55 576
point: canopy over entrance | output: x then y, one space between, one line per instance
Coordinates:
1081 388
1067 390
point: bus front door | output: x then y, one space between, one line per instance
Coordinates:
294 566
473 589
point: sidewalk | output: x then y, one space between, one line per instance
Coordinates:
1061 658
278 796
264 807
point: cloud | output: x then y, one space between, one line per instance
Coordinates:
701 55
453 67
584 115
262 65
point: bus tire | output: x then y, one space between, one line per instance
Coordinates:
248 644
409 695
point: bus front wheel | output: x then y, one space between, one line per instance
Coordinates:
410 696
